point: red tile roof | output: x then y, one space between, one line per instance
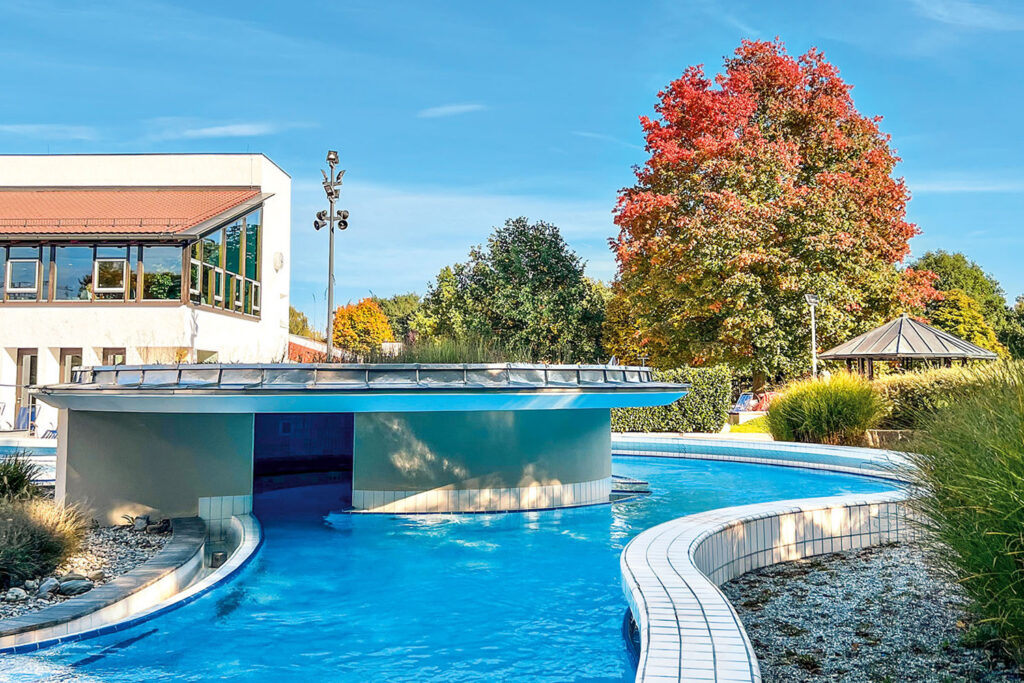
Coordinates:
142 210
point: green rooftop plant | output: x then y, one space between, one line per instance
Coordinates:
837 410
968 478
17 474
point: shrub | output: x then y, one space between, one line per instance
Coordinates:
968 472
17 472
36 536
913 397
704 409
837 410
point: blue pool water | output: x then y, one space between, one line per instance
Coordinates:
527 596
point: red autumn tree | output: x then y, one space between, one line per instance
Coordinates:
761 186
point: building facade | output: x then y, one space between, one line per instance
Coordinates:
112 259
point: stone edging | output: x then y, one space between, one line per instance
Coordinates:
670 573
155 595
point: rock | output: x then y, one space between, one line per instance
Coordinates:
31 586
76 587
162 527
72 576
141 522
48 586
16 595
96 576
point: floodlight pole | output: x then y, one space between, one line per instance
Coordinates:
332 187
812 300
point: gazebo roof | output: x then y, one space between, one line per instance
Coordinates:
907 338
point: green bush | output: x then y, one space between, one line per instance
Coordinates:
913 397
36 536
968 478
837 410
17 472
704 409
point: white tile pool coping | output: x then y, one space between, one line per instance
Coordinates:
671 572
157 599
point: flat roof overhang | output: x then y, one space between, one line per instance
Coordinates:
358 388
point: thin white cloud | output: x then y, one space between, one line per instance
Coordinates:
961 185
171 128
605 138
968 14
449 110
50 131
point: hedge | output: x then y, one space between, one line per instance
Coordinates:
913 397
704 409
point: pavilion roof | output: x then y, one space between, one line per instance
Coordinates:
905 337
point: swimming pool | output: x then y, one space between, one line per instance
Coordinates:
534 596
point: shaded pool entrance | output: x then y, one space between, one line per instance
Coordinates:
303 449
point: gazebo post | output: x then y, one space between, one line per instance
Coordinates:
871 368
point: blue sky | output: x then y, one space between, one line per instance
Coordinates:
452 116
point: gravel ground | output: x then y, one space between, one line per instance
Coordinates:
871 615
111 550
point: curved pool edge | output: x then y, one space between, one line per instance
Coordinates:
250 540
689 631
865 462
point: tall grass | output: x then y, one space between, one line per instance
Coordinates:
968 472
837 410
17 474
447 350
36 536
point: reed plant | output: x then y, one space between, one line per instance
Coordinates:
18 474
967 473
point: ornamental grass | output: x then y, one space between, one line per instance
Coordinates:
837 410
17 474
36 536
968 475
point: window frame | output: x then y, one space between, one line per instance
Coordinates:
97 289
9 289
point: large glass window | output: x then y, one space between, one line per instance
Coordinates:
161 273
224 267
3 271
74 273
252 244
110 272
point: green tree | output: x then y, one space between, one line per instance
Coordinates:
956 271
1012 334
401 310
298 324
959 314
526 290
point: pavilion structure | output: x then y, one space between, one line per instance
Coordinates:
908 343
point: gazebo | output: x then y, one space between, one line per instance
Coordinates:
905 341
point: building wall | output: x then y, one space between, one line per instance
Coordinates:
422 462
151 463
150 333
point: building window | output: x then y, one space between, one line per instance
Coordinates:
69 360
224 267
113 356
74 273
22 279
25 377
161 273
110 276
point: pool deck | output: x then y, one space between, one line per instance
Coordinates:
671 572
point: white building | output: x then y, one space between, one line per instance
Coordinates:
108 259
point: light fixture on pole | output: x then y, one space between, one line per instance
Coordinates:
812 301
332 187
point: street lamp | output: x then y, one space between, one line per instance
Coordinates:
332 187
812 301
